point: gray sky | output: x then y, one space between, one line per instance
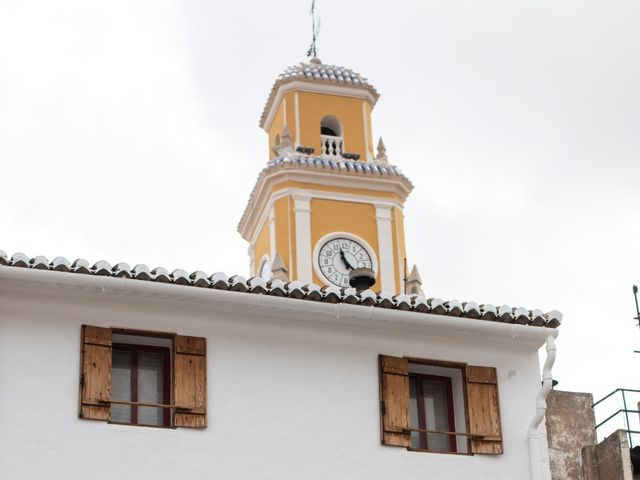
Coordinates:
129 132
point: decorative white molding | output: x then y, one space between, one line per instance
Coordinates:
272 232
293 191
331 236
385 248
314 87
302 210
296 105
284 109
266 183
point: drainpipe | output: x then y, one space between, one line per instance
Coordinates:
541 407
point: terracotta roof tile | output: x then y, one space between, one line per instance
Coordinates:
294 289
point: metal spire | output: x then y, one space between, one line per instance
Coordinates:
315 29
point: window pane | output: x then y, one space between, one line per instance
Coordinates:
121 385
436 414
150 387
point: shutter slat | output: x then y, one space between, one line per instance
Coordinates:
95 362
484 410
190 382
394 401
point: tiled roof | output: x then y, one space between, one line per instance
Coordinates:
316 71
339 165
296 290
336 164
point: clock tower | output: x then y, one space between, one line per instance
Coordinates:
326 203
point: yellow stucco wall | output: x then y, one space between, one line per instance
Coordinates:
276 128
280 118
368 110
314 106
399 250
293 271
284 233
397 270
329 216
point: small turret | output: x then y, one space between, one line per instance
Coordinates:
278 269
414 282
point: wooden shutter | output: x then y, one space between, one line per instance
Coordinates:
190 381
394 401
484 410
95 373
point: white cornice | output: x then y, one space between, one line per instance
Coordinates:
311 86
263 193
311 194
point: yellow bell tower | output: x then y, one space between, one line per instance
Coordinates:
325 203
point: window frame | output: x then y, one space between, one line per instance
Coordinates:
167 380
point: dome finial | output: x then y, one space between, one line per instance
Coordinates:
315 29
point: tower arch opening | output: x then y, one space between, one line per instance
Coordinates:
330 125
331 136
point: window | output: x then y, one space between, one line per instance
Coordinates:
127 377
439 406
431 404
140 374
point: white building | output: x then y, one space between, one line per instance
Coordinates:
114 372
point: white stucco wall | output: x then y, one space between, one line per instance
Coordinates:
287 399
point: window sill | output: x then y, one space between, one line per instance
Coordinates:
411 449
163 427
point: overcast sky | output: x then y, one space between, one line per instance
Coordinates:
129 132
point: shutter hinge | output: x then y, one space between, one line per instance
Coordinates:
82 379
383 407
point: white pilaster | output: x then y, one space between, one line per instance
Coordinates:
284 109
272 233
385 249
296 106
302 209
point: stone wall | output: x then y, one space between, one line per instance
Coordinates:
570 426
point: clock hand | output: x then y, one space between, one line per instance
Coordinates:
345 261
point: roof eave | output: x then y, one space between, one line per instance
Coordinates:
268 307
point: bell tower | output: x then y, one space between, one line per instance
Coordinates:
325 203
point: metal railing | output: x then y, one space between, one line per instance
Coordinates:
625 410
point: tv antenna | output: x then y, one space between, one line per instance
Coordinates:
635 295
637 317
315 30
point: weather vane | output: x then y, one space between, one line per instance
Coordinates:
315 29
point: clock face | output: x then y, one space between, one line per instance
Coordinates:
339 256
